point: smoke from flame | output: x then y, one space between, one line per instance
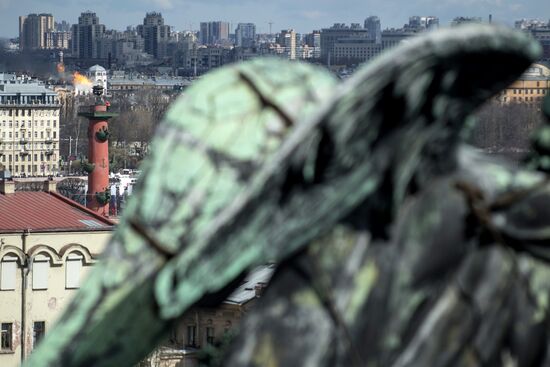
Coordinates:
81 79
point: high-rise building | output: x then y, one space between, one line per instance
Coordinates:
212 33
372 25
287 39
245 34
155 34
62 26
420 23
85 35
29 128
313 41
33 29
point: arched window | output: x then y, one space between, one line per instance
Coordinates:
73 270
40 270
8 273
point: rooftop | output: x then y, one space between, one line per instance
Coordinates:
258 277
47 212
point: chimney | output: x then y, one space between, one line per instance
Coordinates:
50 185
259 289
7 187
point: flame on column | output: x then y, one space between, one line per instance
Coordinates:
61 68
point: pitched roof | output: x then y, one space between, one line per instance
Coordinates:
49 212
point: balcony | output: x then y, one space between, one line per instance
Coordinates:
23 141
48 141
49 152
24 153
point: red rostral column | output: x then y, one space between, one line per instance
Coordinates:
98 154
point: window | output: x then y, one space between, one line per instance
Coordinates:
191 335
227 327
40 267
210 335
38 332
8 273
7 336
73 270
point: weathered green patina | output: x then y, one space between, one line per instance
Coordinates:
387 232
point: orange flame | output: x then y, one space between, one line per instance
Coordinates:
80 79
60 68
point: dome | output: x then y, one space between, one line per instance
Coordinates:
96 68
537 70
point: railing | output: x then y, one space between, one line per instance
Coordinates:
48 141
49 152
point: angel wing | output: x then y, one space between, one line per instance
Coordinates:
208 210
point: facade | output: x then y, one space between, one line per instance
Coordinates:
372 25
214 33
85 36
128 85
98 76
531 88
29 127
155 35
245 35
393 37
57 40
336 33
355 51
204 326
33 29
48 245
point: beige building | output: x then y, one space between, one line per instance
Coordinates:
29 127
532 87
47 243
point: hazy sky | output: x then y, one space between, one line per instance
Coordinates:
302 15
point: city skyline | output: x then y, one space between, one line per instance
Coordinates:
303 16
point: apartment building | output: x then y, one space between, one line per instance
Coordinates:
29 127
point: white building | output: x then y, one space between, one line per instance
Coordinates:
98 76
29 127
